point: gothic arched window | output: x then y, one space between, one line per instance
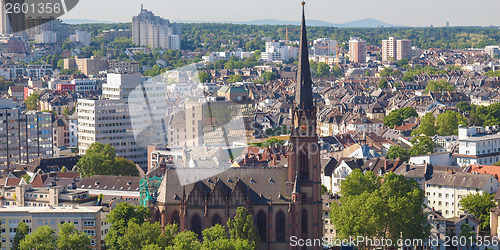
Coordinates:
174 217
280 226
262 225
216 220
304 221
196 225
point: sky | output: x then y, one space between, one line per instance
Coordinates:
414 13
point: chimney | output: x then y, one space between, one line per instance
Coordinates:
450 171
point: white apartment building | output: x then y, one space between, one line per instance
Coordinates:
445 189
46 36
277 51
82 37
492 50
84 85
477 147
324 47
154 31
86 219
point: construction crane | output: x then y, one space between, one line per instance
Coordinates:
286 29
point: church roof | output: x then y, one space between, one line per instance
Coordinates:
262 185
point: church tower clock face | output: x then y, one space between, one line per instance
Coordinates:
303 127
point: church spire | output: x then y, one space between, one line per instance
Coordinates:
303 89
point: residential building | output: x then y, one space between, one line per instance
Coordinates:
357 50
60 133
492 50
403 49
475 146
325 47
29 196
86 219
46 36
82 37
124 66
154 31
445 189
39 71
278 51
205 118
396 48
88 66
25 136
125 187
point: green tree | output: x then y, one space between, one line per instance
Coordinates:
215 238
393 119
144 234
42 239
367 73
32 102
21 232
322 70
408 112
204 77
427 126
100 159
242 227
447 123
382 84
479 205
337 72
66 111
70 72
124 167
422 145
385 72
438 86
398 152
268 76
467 232
70 238
391 207
186 240
235 78
119 218
464 107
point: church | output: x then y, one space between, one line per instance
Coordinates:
285 201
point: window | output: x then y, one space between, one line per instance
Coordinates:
89 223
262 225
196 225
280 226
304 221
216 220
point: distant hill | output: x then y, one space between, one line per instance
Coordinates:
364 23
83 21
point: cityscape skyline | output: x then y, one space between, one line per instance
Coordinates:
389 11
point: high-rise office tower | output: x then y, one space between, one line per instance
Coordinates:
25 135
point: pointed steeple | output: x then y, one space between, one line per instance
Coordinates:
303 89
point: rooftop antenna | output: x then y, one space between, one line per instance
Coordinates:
142 7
